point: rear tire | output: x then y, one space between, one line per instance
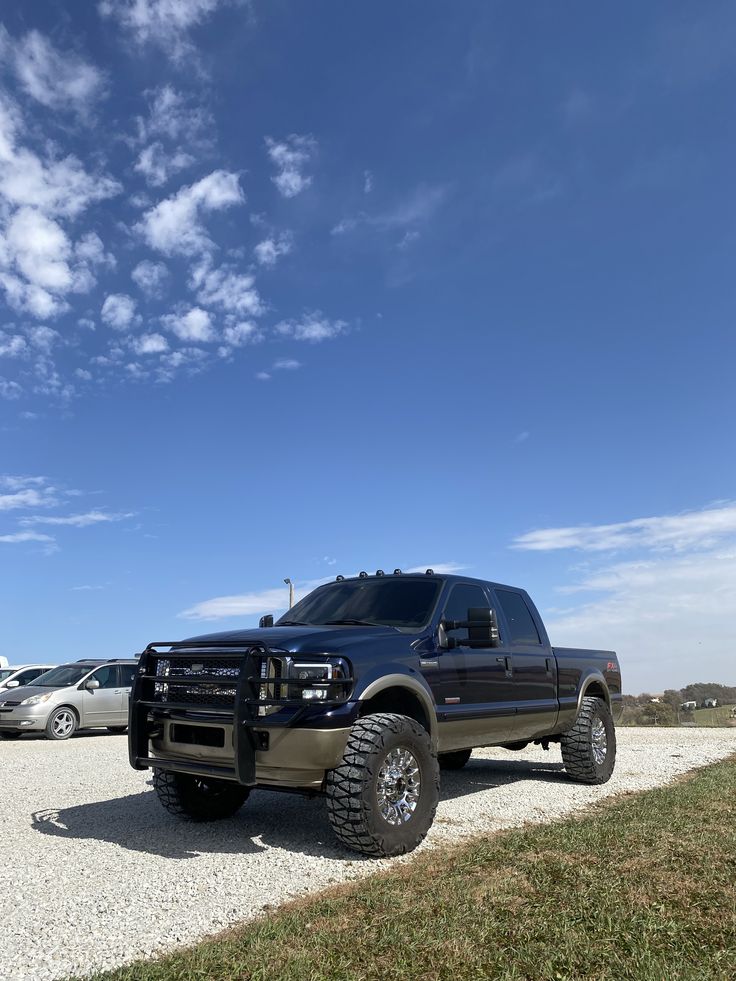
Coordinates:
589 748
61 724
198 798
454 761
382 798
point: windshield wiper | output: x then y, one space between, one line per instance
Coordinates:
292 623
351 622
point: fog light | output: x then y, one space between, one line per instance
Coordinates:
314 693
26 722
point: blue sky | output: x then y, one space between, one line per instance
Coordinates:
296 289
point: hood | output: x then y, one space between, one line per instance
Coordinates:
24 692
307 640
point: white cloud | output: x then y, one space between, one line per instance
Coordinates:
680 531
189 359
312 327
150 344
57 80
287 364
271 249
12 345
77 520
27 497
263 376
174 227
240 334
367 181
157 166
150 277
25 536
83 375
223 287
291 157
118 311
172 116
194 325
39 264
406 217
163 23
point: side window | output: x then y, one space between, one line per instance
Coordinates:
461 598
26 676
518 617
107 676
127 673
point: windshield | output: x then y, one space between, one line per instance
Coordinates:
393 602
6 673
61 677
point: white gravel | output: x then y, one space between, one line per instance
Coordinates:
95 873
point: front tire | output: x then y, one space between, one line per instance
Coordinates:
61 724
382 799
589 748
454 761
198 798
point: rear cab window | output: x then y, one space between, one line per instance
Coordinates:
519 621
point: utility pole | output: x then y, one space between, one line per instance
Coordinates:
290 584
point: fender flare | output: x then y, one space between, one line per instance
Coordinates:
592 677
400 679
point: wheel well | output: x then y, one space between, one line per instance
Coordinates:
72 709
398 700
596 690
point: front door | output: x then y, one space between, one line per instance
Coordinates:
472 687
104 705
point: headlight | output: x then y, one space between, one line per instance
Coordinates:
321 673
36 699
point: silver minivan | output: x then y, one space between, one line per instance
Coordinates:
21 674
81 695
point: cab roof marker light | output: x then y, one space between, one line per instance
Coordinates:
363 575
429 572
379 572
339 578
397 572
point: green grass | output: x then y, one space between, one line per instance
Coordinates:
643 887
720 716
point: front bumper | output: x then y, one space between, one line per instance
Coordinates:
22 718
290 758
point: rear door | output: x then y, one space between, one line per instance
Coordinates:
104 706
474 693
533 666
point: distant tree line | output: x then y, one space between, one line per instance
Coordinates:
642 710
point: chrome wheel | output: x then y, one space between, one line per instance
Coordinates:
398 786
63 724
598 741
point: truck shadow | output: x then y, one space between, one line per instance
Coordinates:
288 822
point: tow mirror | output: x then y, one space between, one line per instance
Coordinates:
481 625
92 685
13 684
266 621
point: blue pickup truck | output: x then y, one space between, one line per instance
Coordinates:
363 692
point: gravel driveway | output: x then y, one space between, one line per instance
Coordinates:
96 873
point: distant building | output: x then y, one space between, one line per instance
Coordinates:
710 703
688 706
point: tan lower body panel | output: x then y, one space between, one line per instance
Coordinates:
473 733
295 757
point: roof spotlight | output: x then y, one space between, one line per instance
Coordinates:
379 572
339 578
397 572
363 575
429 572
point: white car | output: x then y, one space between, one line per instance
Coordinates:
21 674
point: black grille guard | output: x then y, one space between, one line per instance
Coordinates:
254 692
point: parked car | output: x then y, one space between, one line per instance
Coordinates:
21 674
363 691
80 695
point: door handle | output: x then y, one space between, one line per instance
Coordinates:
506 661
